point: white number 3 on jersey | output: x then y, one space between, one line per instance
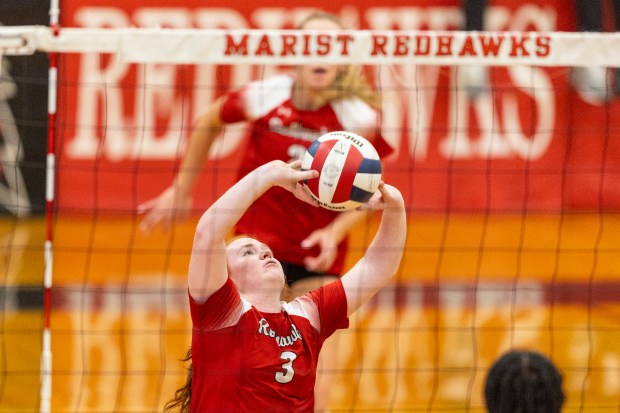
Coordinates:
287 375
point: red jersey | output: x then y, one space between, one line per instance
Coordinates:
245 360
281 131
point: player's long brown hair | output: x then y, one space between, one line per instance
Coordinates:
183 396
350 82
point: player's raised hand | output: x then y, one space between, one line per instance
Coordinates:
289 176
164 209
328 247
385 197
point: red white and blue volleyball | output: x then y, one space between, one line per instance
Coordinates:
349 170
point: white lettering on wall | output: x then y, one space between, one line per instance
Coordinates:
99 96
409 111
155 122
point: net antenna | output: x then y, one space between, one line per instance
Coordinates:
46 351
21 41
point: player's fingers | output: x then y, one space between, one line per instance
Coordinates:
310 241
311 264
320 264
145 206
323 263
391 196
302 193
381 187
146 226
309 174
326 256
376 202
152 220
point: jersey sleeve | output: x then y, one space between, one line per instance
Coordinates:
331 302
381 145
222 309
355 114
233 108
256 99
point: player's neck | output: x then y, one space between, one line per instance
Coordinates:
268 303
306 99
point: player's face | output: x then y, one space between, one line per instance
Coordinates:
318 76
251 265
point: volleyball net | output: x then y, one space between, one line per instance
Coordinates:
507 154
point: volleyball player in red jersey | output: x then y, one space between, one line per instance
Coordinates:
252 352
287 113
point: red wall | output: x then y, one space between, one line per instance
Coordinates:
534 145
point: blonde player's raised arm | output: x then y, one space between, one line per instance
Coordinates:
383 256
176 200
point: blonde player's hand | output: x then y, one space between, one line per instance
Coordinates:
164 210
324 239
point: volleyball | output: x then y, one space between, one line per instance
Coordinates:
349 170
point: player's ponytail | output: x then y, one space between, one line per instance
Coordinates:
352 83
183 396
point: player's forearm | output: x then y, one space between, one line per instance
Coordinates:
386 249
220 218
207 266
381 260
201 139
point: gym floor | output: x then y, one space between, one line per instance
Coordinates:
469 288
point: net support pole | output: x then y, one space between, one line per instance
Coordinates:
46 351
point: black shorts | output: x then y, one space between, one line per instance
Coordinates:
294 272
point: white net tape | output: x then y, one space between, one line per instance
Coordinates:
298 47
